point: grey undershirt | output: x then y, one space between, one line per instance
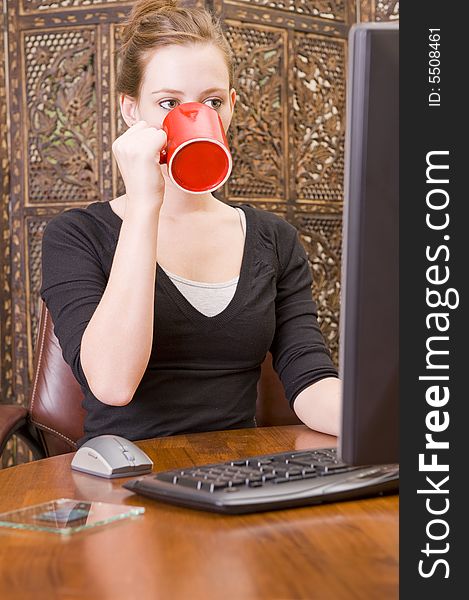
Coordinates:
208 298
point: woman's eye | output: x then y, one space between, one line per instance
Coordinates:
173 104
217 101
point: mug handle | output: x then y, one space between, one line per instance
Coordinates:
163 157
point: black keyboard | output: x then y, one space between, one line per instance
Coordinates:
268 482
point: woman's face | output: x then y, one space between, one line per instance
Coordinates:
177 74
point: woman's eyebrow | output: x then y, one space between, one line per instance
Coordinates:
209 91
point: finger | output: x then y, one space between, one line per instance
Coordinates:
162 139
156 137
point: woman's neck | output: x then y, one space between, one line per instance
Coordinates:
178 203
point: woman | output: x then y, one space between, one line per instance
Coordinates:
166 303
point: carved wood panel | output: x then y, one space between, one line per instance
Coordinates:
60 107
378 10
286 137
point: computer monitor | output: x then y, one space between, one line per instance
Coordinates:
369 315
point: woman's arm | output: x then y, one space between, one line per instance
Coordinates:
300 355
117 341
116 344
319 405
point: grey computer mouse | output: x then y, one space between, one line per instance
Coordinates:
111 456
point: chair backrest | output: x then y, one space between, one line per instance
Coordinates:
55 400
55 406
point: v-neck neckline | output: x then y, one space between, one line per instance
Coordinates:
236 303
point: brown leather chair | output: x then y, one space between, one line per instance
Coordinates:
53 422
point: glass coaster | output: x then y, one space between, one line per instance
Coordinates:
66 516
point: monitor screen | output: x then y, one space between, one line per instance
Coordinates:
369 317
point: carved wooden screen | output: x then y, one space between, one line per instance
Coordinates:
58 119
288 129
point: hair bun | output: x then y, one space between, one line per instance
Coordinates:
143 12
143 9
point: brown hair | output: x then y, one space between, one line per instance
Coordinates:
157 23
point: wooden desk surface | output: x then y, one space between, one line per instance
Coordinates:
346 550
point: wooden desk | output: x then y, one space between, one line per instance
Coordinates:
347 550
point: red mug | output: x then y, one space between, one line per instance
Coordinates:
197 152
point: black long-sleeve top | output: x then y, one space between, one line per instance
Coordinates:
203 371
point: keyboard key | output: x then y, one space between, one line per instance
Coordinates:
293 471
257 462
218 485
167 476
238 481
303 463
310 475
187 481
331 469
255 483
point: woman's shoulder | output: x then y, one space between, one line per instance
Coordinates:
92 224
90 219
269 225
269 221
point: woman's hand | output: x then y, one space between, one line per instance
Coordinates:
137 152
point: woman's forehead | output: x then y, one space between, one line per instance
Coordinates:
180 67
